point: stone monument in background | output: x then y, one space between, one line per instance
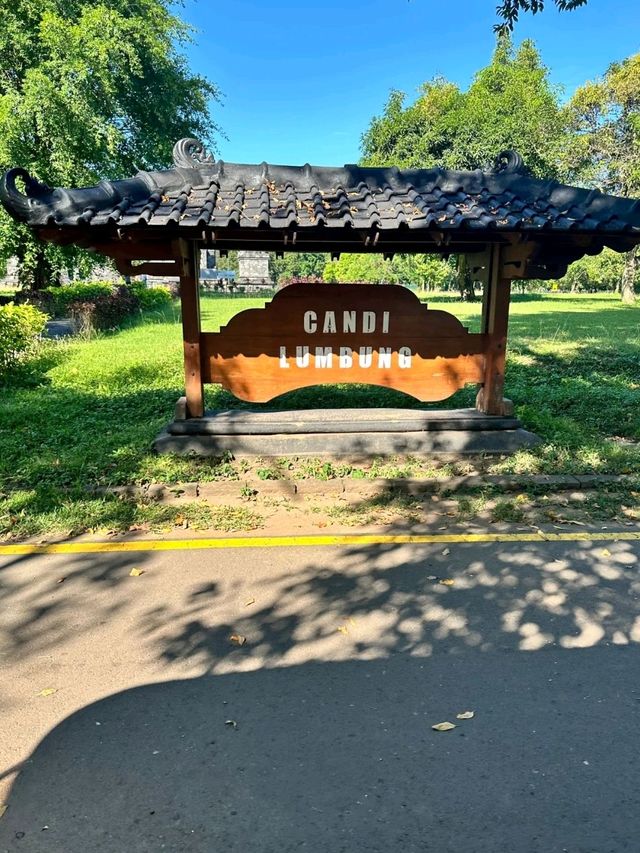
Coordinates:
253 270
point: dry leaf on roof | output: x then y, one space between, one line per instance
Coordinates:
444 727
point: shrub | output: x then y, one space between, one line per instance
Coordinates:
151 298
104 312
100 305
20 328
78 291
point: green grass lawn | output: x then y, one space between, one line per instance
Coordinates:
86 411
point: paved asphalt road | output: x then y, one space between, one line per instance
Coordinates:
316 733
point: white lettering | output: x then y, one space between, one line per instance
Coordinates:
348 321
385 322
324 357
329 322
368 322
283 357
302 356
365 356
346 357
310 322
384 357
404 357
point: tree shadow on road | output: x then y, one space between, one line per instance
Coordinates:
342 757
316 734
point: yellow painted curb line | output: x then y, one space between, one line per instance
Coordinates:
312 540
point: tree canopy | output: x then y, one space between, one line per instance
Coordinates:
604 117
510 104
90 88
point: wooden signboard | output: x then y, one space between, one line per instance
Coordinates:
313 334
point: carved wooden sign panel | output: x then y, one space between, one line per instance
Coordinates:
313 334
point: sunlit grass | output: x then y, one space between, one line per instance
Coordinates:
86 412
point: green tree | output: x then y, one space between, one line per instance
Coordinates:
297 265
89 89
605 119
426 272
360 267
510 104
414 136
595 272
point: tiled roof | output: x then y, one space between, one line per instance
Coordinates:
200 193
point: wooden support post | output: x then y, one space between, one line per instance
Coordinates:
495 322
187 254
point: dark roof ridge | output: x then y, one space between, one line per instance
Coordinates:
271 196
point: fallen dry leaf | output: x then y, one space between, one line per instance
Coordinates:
48 691
446 552
231 723
605 552
343 629
444 727
249 602
447 581
237 639
61 580
3 808
135 573
466 715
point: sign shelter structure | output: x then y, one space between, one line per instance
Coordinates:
508 224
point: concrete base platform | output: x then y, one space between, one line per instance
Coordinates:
344 432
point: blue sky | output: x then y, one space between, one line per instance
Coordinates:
301 81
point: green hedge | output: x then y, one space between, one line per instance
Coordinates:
63 298
20 328
102 305
151 298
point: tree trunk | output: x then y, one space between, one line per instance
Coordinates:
627 285
36 273
465 281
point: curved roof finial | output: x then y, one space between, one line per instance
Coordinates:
21 204
190 153
509 162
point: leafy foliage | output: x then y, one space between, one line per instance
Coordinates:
360 267
426 272
509 11
604 116
510 104
91 88
594 272
306 265
77 291
20 328
151 298
104 312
